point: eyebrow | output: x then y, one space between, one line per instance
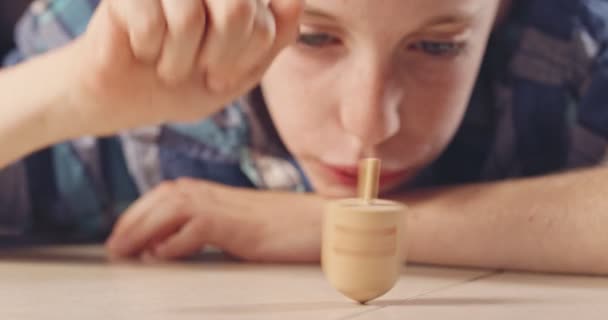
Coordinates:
318 13
448 24
447 21
450 18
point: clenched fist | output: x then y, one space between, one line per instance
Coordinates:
145 62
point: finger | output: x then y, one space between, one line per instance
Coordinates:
134 214
145 23
137 212
189 240
286 15
158 224
230 25
113 46
163 192
127 222
185 27
148 257
257 46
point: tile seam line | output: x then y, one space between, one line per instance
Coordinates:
482 276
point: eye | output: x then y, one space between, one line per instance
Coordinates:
317 40
438 48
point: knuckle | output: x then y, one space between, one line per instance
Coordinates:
265 33
166 188
185 182
184 213
170 75
181 206
185 186
150 26
189 19
240 10
201 225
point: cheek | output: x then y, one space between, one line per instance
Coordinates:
436 99
428 123
438 106
298 103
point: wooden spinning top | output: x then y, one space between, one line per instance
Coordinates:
363 240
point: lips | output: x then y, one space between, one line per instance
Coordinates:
347 175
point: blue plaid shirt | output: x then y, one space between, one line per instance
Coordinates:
540 106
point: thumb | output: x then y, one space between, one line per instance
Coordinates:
287 17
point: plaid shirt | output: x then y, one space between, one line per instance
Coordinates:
540 106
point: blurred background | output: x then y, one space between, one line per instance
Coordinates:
10 11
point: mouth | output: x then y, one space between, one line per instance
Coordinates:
348 175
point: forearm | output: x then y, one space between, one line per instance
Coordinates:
554 223
33 104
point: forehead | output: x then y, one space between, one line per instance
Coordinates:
398 12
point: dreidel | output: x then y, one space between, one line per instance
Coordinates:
363 250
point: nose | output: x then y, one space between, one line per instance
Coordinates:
369 109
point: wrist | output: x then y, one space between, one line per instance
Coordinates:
65 114
49 80
34 100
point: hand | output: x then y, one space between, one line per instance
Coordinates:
145 62
179 218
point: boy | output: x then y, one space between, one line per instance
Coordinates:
399 81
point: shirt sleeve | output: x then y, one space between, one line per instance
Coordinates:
593 111
49 24
14 200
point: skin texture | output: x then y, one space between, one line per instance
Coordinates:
372 89
362 81
140 59
390 81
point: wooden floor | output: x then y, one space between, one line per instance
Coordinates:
66 283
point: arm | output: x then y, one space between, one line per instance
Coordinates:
33 100
555 223
178 218
111 72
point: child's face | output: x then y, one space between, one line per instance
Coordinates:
389 79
